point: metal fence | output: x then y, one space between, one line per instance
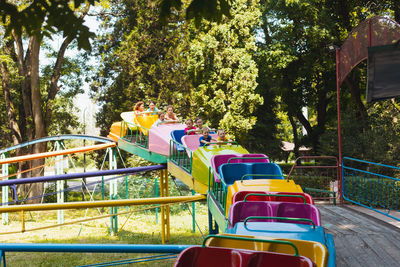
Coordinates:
318 176
180 155
372 185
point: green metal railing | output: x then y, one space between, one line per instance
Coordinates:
218 190
133 133
372 185
180 155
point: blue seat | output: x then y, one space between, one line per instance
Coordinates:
231 172
177 135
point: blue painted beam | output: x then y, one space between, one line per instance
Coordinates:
81 175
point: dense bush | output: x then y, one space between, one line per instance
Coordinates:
373 192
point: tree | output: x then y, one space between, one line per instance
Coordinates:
301 70
143 60
223 70
29 105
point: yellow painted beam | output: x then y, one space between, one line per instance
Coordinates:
56 153
103 203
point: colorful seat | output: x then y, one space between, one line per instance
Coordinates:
272 185
297 210
222 256
218 160
177 135
315 251
230 173
270 196
241 210
250 158
192 141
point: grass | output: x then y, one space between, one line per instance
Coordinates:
141 228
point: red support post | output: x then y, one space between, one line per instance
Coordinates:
338 123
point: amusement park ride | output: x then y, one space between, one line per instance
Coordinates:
257 216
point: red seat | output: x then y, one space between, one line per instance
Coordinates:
228 257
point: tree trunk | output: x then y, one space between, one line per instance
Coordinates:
12 122
295 136
355 93
40 130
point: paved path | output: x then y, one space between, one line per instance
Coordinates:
360 239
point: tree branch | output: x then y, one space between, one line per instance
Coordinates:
54 88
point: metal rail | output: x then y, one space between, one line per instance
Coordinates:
58 138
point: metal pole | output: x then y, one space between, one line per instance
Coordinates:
84 155
156 195
162 208
113 192
60 184
338 122
4 196
193 214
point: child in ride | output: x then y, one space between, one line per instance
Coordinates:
152 110
199 125
190 129
139 108
161 119
171 116
206 138
221 136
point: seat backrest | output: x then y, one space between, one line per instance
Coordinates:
309 199
236 171
218 160
272 169
218 256
298 210
264 158
241 195
177 135
192 141
230 173
239 211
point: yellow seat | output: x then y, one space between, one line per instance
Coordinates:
115 131
265 185
315 251
145 121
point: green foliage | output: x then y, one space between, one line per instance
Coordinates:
223 70
373 192
144 59
52 16
378 143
